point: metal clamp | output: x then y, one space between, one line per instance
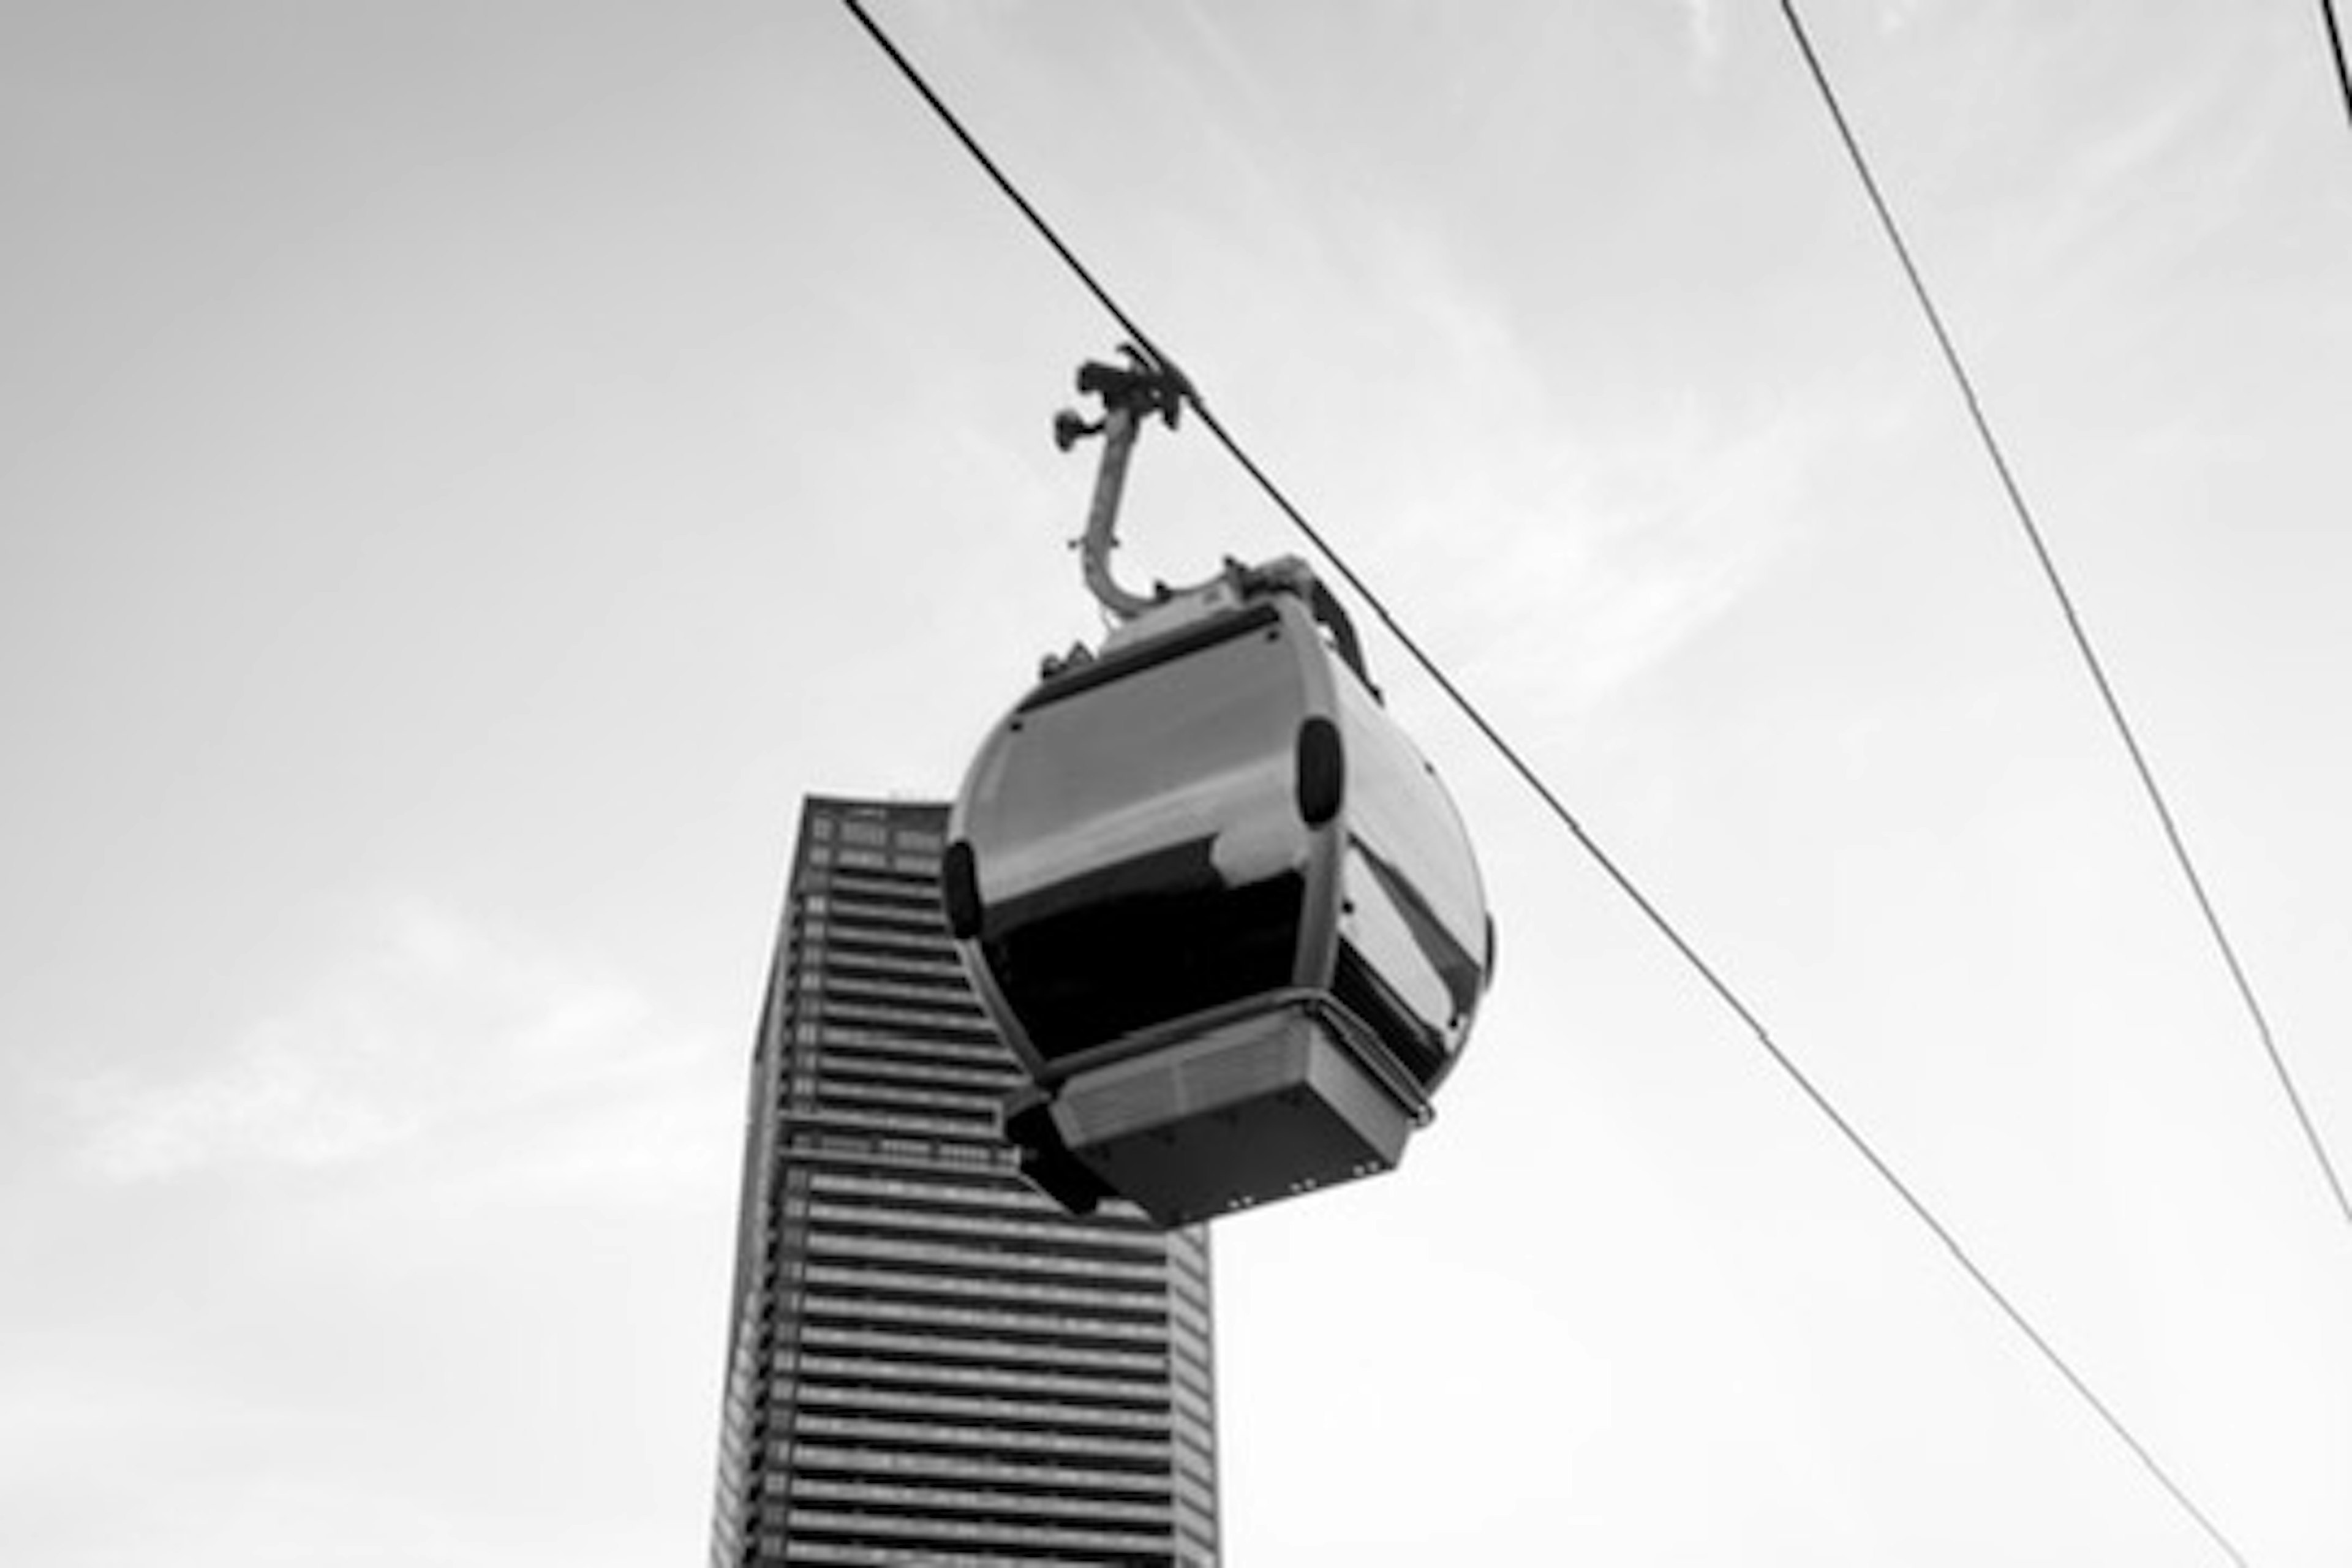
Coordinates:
1145 387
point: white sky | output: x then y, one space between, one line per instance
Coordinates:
469 469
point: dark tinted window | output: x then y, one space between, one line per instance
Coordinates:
1138 851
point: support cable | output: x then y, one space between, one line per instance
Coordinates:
1004 186
1526 773
2335 51
2082 638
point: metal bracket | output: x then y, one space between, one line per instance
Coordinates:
1145 387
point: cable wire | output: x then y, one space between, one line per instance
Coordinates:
2335 51
1004 186
1568 820
1731 999
2082 638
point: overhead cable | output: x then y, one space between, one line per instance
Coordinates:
2335 52
2082 637
1518 764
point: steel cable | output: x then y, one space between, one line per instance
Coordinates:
1551 800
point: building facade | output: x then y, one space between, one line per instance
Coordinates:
929 1365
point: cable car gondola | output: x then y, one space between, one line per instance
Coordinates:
1219 908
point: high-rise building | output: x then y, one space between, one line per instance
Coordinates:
928 1363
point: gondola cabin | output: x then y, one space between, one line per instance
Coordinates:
1220 909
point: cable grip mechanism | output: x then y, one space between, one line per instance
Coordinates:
1146 387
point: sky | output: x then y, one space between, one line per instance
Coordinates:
469 470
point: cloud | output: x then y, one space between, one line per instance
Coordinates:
1706 35
1596 578
433 1029
1578 556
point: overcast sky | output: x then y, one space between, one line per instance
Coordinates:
469 469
